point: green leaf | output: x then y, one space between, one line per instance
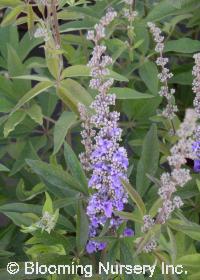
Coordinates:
10 3
5 105
134 195
28 151
48 206
52 61
149 74
189 261
141 33
64 202
48 239
164 9
11 16
85 71
3 168
24 195
130 216
128 93
126 257
187 227
35 113
184 78
198 184
33 78
82 227
195 276
113 251
14 59
75 25
20 219
54 175
62 126
21 208
25 46
19 276
72 93
40 87
148 162
76 71
15 119
74 165
183 45
116 76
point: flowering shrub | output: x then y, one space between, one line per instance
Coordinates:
100 138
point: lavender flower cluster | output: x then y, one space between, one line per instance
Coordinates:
165 75
196 90
179 176
106 160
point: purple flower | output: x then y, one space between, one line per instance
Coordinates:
101 246
196 148
128 232
108 208
197 165
91 247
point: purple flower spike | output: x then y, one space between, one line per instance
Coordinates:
106 161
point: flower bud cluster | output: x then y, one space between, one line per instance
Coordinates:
42 32
99 32
165 74
107 160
